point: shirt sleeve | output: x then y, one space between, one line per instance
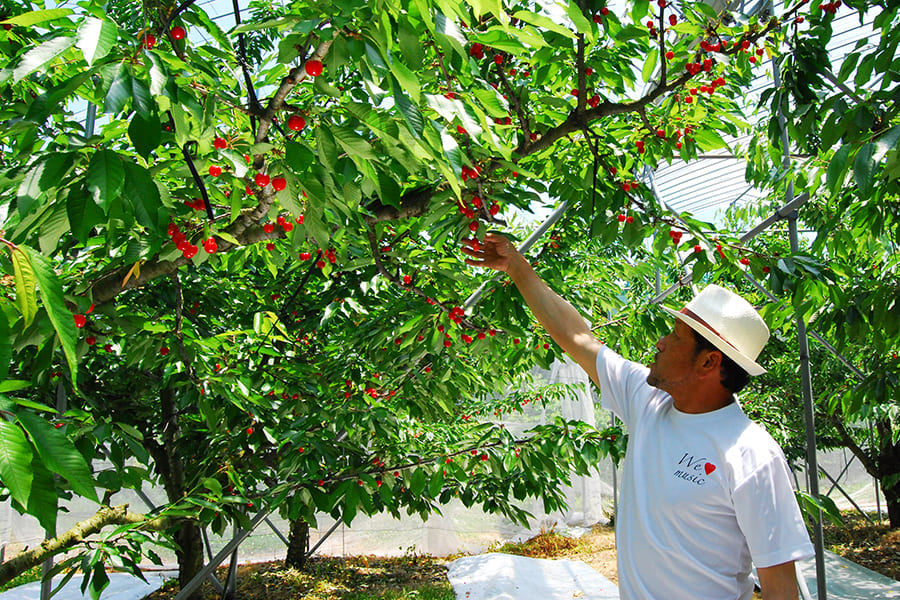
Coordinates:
623 384
769 516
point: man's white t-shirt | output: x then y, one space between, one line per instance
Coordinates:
703 495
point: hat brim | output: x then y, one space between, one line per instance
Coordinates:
743 361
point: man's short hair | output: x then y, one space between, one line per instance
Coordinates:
734 378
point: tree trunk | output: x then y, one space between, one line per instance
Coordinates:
190 554
298 544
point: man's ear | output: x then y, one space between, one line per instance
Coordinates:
710 361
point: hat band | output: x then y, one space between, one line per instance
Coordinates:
700 320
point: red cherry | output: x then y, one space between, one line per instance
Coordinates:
90 340
473 226
190 251
178 33
494 209
604 11
215 170
661 133
300 220
621 218
220 143
516 341
80 321
589 71
279 183
270 246
461 130
745 261
698 248
320 264
108 347
149 41
261 179
447 343
407 279
760 51
313 68
670 55
164 351
673 20
249 431
296 123
597 19
288 227
305 256
629 219
498 59
766 269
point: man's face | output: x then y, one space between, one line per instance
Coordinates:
673 364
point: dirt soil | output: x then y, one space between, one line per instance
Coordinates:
873 546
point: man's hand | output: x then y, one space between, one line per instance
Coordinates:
495 252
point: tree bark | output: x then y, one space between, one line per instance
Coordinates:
106 515
298 544
190 554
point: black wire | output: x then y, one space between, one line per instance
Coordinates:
190 163
242 58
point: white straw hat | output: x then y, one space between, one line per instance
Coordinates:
729 322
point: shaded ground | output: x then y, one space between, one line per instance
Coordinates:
874 546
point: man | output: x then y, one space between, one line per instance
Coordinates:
705 491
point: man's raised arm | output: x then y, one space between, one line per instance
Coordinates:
564 324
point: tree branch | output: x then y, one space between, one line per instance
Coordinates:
106 515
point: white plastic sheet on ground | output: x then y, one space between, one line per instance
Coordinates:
122 586
508 577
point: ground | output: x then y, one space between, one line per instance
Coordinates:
874 546
414 576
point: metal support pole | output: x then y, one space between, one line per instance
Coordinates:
809 418
278 533
846 495
523 248
847 464
805 373
192 585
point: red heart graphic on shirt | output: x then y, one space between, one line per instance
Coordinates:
709 468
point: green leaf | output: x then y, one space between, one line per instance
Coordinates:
43 500
353 143
143 196
145 133
30 190
580 21
55 168
105 178
15 461
26 297
864 169
650 65
886 142
5 347
409 110
543 22
141 100
95 38
55 304
407 79
834 176
119 92
41 55
30 19
59 454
